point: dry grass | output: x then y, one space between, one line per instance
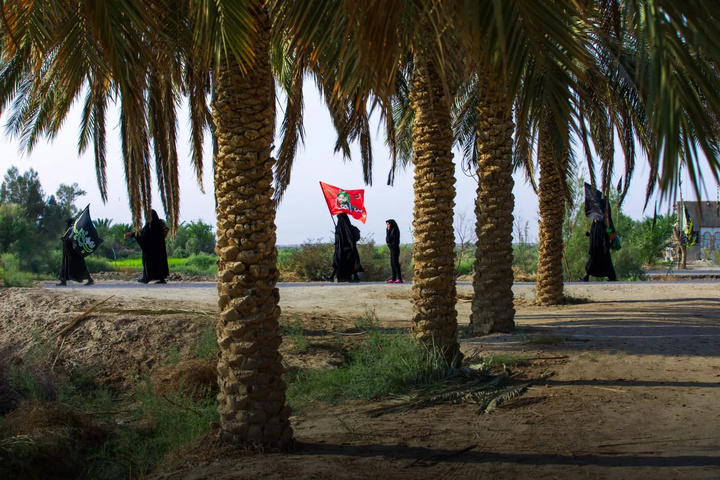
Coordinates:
194 378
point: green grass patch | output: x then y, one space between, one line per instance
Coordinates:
294 332
206 347
384 364
499 361
66 423
159 425
200 264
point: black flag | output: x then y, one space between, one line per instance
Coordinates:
84 236
594 204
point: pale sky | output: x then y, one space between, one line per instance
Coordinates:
303 214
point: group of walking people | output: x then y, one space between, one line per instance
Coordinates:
346 264
151 239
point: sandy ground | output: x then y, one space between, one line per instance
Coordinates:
634 394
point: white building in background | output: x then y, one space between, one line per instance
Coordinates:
706 221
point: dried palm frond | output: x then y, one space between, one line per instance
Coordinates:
467 385
155 311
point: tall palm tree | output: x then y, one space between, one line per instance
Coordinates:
530 33
363 71
434 291
492 303
127 49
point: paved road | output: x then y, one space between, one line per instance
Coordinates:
212 285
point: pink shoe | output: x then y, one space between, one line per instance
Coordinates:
390 281
398 281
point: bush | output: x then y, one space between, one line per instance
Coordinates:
312 260
10 272
98 264
201 264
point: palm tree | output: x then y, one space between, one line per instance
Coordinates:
492 303
434 291
134 50
361 70
484 127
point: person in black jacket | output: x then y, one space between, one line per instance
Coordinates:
392 239
346 260
151 239
73 265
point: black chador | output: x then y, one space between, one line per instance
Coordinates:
346 261
392 239
151 239
73 265
599 263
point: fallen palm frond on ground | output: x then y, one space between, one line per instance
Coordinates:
156 311
472 384
82 317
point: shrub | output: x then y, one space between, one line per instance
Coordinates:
312 260
98 264
201 264
11 274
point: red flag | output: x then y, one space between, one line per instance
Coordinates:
351 202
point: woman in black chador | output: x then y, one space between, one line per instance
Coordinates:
346 261
599 263
151 239
73 265
392 239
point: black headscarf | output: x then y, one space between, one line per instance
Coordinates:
151 239
346 260
392 235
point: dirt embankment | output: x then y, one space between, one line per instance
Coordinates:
634 395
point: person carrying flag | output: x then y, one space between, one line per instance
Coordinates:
73 266
346 260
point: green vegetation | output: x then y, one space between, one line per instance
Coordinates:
384 364
312 261
10 273
294 332
62 420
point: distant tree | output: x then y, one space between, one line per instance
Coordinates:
191 237
13 228
66 196
23 190
32 224
652 237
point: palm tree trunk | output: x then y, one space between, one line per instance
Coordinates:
252 393
434 293
492 305
551 197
